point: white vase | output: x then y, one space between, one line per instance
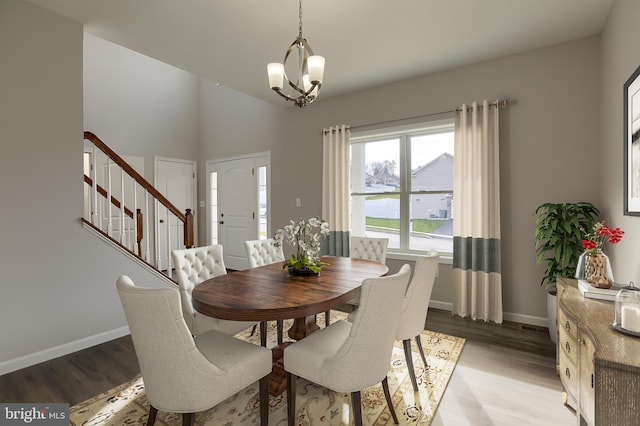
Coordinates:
552 317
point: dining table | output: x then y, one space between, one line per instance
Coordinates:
270 292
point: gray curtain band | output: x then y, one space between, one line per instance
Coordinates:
477 254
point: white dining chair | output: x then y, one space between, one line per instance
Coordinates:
351 356
415 305
260 253
367 248
192 267
185 374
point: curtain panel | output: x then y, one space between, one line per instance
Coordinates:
477 278
335 189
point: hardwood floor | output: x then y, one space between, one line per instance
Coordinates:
506 375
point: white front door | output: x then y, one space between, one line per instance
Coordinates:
238 205
176 180
237 210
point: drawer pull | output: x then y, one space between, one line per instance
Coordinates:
567 347
567 326
567 373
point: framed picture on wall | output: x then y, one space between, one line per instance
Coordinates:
632 144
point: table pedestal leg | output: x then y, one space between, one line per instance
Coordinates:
301 328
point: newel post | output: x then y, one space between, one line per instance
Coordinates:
188 229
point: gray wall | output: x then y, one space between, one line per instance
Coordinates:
138 105
620 58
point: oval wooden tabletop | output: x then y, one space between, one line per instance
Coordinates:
270 293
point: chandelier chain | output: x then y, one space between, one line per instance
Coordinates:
300 19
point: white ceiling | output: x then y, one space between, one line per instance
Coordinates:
365 42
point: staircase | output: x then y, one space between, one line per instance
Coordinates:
123 207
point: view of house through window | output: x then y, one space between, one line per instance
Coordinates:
402 186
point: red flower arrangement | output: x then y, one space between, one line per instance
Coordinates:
599 235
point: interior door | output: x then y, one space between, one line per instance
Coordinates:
176 180
237 201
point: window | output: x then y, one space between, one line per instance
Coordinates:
402 186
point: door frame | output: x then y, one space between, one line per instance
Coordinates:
259 159
194 190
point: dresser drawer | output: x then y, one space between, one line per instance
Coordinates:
567 325
569 377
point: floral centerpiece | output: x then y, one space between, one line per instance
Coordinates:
304 236
594 264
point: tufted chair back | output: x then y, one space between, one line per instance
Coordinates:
263 252
369 248
193 266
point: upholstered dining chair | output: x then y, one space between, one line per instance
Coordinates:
413 313
260 253
368 248
185 374
192 267
351 356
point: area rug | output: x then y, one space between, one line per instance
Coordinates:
128 405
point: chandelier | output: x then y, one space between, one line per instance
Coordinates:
310 71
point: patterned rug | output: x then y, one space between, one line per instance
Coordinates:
128 405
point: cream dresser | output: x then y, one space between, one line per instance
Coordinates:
599 367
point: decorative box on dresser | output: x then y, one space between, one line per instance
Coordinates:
599 367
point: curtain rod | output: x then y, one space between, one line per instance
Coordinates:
503 103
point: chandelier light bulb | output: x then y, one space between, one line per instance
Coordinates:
276 75
315 65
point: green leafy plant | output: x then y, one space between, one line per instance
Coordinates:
558 238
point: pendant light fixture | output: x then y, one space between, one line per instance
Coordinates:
310 71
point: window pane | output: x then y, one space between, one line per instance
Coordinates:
375 166
381 214
432 162
431 225
213 197
262 202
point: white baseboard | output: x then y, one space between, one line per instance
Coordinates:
61 350
508 316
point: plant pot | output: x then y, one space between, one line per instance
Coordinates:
552 313
301 272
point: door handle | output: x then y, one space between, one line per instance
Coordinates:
161 220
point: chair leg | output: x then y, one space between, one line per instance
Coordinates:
419 343
263 334
188 419
356 407
153 412
253 330
407 355
279 330
264 400
291 399
387 396
327 318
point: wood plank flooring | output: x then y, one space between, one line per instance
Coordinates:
506 375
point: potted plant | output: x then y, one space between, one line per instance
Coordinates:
558 240
304 236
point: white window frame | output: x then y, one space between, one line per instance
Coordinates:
404 134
